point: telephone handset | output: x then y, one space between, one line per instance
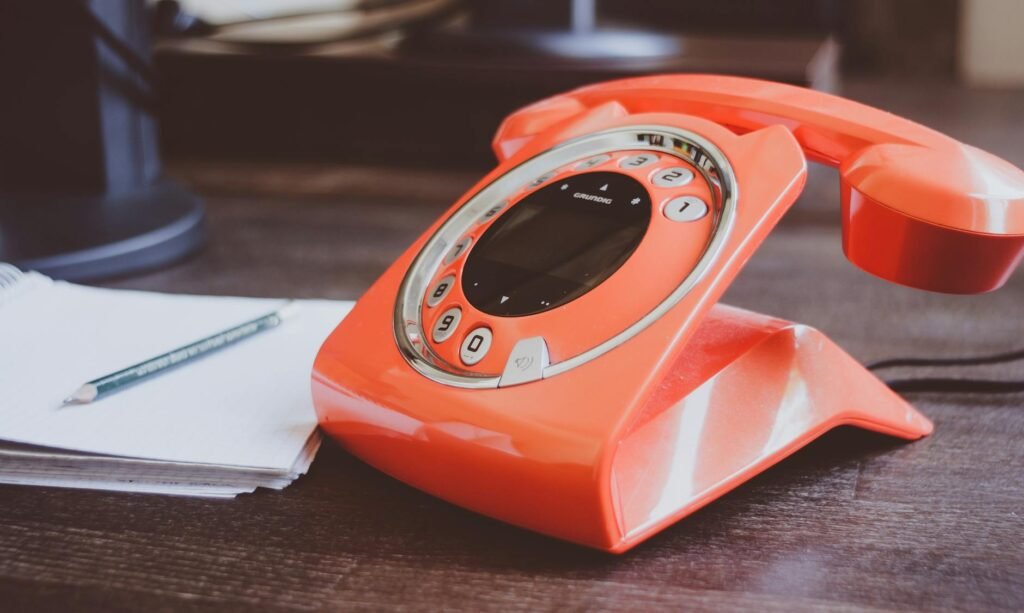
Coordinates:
550 352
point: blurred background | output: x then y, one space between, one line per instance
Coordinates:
378 99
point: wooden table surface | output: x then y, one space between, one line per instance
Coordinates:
856 520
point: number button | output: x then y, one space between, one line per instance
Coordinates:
677 176
544 178
490 213
446 324
637 161
685 208
440 291
475 346
597 160
458 249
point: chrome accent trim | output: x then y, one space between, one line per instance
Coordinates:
408 317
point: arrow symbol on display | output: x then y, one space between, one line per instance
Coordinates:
504 299
604 187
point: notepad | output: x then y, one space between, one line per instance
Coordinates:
235 420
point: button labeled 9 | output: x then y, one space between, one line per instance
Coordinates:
446 324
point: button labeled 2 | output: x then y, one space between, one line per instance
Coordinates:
475 346
677 176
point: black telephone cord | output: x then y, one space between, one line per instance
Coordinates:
952 385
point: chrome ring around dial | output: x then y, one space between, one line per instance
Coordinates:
408 323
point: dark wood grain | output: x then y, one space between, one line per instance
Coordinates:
855 521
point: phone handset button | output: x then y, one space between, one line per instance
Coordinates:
475 346
675 176
526 363
440 290
685 208
446 324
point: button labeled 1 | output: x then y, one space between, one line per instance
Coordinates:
676 176
475 346
440 291
446 324
685 208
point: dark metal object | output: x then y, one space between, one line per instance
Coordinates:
81 193
91 237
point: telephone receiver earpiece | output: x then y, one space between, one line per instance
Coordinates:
919 208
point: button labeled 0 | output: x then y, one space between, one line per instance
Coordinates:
475 346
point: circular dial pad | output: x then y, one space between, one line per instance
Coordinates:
572 258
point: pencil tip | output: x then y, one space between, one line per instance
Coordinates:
288 309
83 395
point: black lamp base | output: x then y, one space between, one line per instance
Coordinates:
87 238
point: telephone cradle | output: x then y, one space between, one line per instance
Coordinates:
550 352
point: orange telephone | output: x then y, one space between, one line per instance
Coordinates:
550 352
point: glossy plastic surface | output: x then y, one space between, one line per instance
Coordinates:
645 279
537 454
615 449
953 218
748 391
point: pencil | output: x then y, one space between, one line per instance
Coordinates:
115 382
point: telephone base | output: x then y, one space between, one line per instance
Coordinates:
747 391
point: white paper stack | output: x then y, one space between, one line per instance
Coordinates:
235 420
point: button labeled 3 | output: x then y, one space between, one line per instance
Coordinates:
638 161
475 346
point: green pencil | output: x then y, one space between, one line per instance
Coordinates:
115 382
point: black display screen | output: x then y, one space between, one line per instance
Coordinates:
557 244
